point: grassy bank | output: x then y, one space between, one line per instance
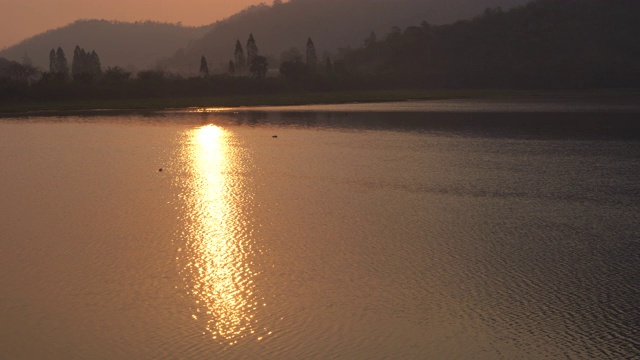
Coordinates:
304 98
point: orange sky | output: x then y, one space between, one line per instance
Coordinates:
20 19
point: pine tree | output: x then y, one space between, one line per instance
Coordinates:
204 67
312 57
53 65
79 64
232 68
95 67
62 66
240 60
252 49
85 65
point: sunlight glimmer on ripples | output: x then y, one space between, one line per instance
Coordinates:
217 264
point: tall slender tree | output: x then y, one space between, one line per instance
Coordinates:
232 68
53 64
252 49
312 56
62 66
79 64
240 60
85 65
95 67
204 67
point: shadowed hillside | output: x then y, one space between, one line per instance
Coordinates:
543 44
332 24
553 44
136 45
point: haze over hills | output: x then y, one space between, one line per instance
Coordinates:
332 24
545 44
132 45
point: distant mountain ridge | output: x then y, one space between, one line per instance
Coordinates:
543 44
331 24
134 45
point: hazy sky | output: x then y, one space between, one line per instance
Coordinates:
20 19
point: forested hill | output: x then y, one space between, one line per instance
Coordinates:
136 45
545 43
331 24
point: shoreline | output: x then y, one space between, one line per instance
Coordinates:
61 108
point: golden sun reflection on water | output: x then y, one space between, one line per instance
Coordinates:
216 262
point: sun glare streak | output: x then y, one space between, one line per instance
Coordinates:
217 264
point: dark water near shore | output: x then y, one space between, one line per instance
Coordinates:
351 235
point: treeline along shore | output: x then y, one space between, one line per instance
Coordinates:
545 44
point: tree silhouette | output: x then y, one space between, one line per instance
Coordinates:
232 68
62 67
79 64
293 69
53 64
29 71
240 60
116 74
312 57
86 66
15 71
252 49
204 67
259 66
94 64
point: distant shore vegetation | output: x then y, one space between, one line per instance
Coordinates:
546 44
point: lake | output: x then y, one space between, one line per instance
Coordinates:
415 230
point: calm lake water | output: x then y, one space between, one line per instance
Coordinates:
468 232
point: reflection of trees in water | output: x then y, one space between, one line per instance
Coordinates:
596 125
520 125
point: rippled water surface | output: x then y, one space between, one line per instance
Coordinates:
341 235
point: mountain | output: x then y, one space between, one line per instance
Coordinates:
131 45
543 44
332 24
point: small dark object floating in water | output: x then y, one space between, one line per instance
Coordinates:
160 169
274 136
